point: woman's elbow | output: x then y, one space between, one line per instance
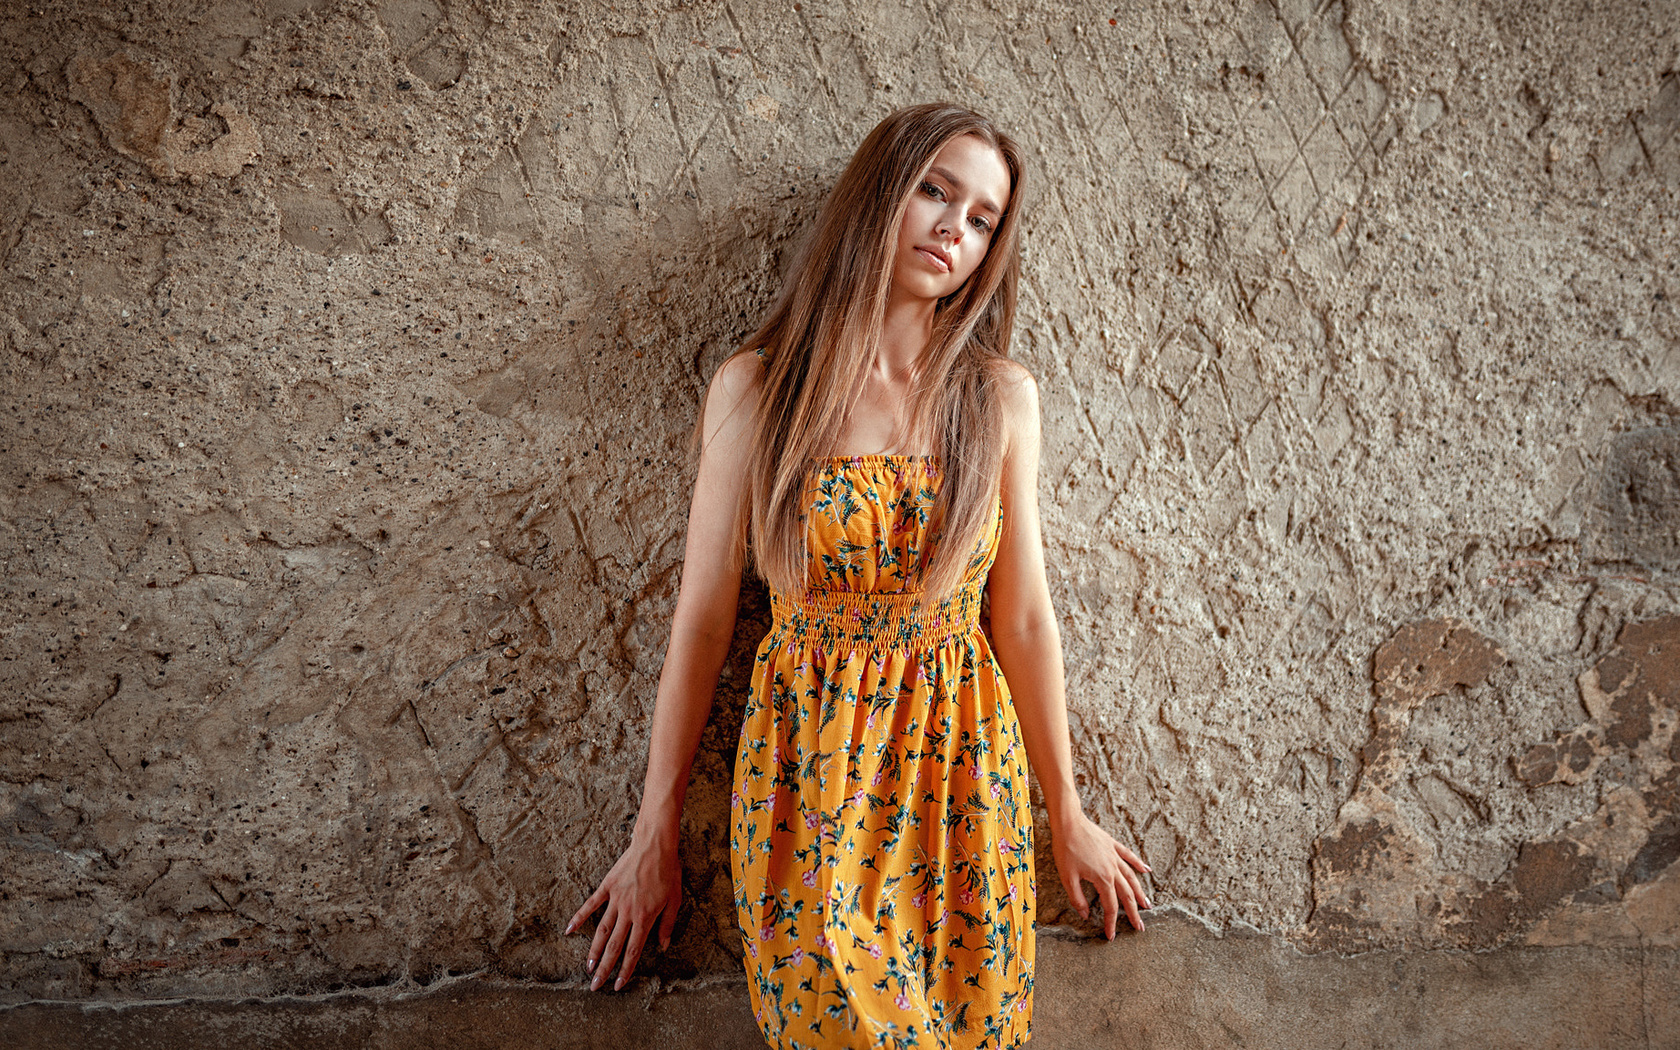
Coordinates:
1025 629
707 627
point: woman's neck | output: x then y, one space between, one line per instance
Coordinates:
906 329
879 415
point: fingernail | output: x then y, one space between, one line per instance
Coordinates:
590 966
618 984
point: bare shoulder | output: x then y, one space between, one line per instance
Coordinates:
736 377
732 394
1018 398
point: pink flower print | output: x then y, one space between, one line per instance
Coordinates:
1021 1005
1014 892
974 772
875 781
1006 846
776 758
997 789
768 931
918 900
902 1001
857 799
734 800
966 896
752 949
810 878
875 950
811 819
798 956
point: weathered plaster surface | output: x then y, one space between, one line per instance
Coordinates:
350 358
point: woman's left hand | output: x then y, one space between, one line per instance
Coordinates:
1085 852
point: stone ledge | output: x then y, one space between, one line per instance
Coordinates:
1180 985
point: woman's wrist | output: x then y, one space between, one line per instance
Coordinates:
658 819
1064 808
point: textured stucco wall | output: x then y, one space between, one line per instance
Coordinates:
351 352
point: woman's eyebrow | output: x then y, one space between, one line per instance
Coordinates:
958 184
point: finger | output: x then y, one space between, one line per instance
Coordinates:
1076 894
1132 858
667 923
589 906
1130 898
1136 883
1110 906
632 952
598 944
609 955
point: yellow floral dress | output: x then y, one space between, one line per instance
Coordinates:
881 842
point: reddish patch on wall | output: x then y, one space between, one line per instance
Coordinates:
1356 848
1628 689
1545 876
1422 660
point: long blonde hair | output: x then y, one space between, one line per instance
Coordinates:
823 331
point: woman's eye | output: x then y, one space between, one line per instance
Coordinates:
982 225
931 190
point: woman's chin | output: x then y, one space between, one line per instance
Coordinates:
923 286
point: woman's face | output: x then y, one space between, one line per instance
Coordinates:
951 218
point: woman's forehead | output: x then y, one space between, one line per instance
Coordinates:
972 164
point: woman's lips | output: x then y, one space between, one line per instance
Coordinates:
943 265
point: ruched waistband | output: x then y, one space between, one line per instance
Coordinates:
875 619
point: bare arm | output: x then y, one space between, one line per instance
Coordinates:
645 885
1029 649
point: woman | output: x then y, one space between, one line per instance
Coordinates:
881 452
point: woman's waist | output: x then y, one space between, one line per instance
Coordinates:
895 619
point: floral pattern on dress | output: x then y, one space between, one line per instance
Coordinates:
881 837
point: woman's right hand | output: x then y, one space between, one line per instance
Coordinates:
643 888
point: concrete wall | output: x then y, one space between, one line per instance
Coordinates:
351 352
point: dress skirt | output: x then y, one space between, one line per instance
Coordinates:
881 844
